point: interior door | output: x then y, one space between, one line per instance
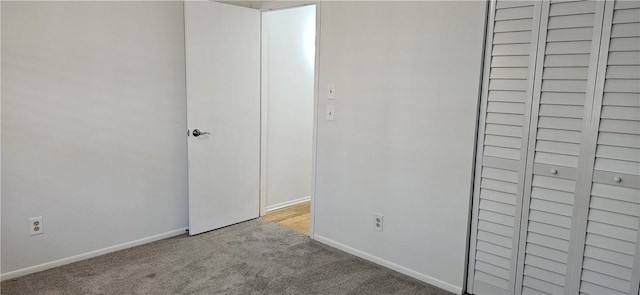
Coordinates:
222 48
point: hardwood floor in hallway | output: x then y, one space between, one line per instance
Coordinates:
296 217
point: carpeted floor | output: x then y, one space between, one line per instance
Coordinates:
254 257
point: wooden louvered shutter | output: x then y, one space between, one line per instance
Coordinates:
502 141
562 100
608 259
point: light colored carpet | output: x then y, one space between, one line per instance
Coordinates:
254 257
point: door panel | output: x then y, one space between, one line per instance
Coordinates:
223 98
502 135
565 69
611 261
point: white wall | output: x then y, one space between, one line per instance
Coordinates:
93 126
280 4
238 3
407 78
289 50
93 122
270 4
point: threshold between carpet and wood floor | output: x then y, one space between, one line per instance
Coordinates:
296 217
254 257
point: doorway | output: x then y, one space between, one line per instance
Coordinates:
250 112
287 115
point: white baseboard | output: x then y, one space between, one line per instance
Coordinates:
287 203
401 269
40 267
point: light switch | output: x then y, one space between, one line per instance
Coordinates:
330 112
331 92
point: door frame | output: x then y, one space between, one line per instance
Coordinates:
270 6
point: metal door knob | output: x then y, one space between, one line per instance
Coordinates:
197 132
617 179
553 171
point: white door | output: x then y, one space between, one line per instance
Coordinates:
502 140
222 48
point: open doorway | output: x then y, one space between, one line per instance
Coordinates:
287 107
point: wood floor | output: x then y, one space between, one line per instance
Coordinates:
296 217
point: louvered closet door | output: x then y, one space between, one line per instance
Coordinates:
611 263
508 82
566 66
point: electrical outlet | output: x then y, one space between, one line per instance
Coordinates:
378 222
35 226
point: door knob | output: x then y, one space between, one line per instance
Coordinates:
197 132
553 171
617 179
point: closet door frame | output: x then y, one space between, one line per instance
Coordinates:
585 162
480 143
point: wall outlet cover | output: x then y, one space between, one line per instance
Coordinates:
378 222
35 226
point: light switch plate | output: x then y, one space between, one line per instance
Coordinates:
331 92
330 112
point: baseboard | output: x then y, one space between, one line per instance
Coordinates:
287 203
36 268
401 269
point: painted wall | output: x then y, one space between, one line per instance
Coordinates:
238 3
93 121
407 77
270 4
280 4
288 60
93 126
